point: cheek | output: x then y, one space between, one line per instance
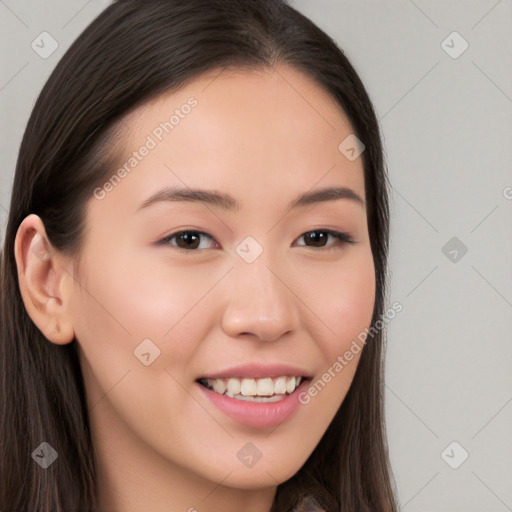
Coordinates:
347 309
347 303
112 317
145 299
120 305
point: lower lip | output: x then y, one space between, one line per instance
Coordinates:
256 414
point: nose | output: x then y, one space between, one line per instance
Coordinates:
260 302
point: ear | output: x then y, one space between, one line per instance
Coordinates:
45 281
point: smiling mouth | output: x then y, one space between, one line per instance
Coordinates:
266 389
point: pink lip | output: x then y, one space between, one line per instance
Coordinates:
256 414
259 371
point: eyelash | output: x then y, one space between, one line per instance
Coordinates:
344 238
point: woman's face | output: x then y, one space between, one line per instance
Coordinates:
259 290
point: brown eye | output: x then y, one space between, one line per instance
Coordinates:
188 240
320 238
317 238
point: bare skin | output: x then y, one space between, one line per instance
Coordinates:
160 444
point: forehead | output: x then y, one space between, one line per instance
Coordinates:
250 133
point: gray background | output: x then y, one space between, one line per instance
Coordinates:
447 125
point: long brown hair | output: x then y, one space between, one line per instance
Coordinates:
132 52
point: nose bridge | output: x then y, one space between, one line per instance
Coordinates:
259 303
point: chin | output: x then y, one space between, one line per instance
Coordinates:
261 475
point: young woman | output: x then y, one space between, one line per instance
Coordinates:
194 270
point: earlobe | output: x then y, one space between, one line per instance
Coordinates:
43 281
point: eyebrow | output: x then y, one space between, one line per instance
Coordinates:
229 203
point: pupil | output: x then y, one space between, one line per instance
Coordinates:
188 237
317 236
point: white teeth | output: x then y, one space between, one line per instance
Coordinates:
234 386
265 387
219 386
274 398
290 384
248 387
280 386
252 389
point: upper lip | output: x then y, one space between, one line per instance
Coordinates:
258 371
